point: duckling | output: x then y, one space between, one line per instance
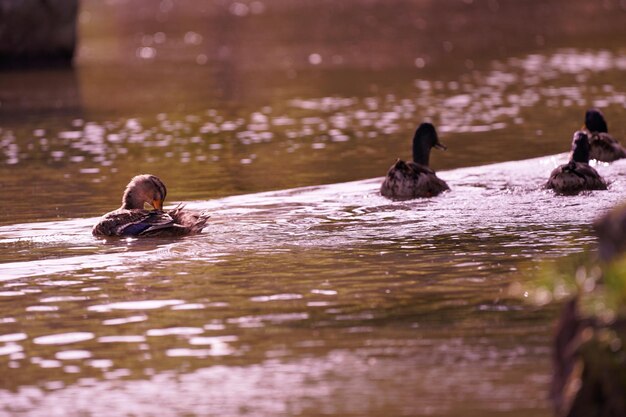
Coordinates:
407 180
603 147
576 175
131 219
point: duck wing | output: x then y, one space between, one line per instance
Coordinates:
124 222
593 180
604 147
419 169
406 180
428 184
192 221
574 177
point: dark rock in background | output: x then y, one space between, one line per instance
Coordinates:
36 33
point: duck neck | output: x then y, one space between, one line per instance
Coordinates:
131 201
580 153
421 152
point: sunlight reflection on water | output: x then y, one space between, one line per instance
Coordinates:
428 262
490 200
479 102
306 301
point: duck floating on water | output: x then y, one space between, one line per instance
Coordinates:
603 146
576 175
132 219
407 180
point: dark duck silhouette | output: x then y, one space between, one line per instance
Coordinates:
576 175
407 180
603 146
132 219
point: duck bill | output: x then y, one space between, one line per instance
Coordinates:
157 204
441 146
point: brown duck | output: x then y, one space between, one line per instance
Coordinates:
602 146
132 219
407 180
576 175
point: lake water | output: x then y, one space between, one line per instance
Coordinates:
308 294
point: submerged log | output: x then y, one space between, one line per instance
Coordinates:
36 33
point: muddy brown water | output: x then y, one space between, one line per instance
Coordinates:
308 294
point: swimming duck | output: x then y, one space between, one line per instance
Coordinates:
132 219
576 175
603 147
406 180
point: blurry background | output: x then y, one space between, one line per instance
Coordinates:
330 300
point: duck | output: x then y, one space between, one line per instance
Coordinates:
603 146
408 180
576 175
132 219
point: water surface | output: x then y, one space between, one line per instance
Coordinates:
297 301
308 293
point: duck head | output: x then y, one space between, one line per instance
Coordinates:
594 121
425 138
144 189
580 147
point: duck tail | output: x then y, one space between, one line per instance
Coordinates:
200 222
177 209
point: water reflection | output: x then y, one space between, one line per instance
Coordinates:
26 96
326 298
311 139
301 278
